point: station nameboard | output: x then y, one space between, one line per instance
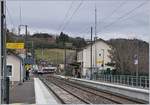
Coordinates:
15 45
99 62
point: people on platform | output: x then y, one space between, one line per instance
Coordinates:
78 74
28 73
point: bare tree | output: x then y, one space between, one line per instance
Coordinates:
123 52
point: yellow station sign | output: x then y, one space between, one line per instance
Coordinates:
15 45
99 62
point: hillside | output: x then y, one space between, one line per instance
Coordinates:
55 56
46 40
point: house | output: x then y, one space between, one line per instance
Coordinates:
100 57
15 67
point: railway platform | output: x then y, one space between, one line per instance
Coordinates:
23 93
42 94
31 92
132 92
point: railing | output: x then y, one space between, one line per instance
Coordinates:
128 80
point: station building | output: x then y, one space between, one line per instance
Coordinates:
15 68
100 57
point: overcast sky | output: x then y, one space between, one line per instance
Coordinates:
115 18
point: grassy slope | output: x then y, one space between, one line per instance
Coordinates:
52 55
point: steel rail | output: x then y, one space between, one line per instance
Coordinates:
84 88
62 101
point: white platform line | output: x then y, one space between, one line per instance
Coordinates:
42 95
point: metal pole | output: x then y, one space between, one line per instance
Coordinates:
26 39
95 22
65 60
1 58
137 74
103 58
20 63
33 51
57 56
20 74
42 52
7 90
19 29
3 53
26 32
91 54
95 38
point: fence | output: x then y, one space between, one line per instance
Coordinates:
128 80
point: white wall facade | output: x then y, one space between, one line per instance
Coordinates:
17 67
80 56
100 53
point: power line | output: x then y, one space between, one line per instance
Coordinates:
107 17
66 15
66 0
124 15
67 23
115 10
72 15
10 18
85 28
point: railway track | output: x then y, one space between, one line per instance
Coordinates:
88 95
65 97
110 96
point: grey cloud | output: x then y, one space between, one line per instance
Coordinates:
48 15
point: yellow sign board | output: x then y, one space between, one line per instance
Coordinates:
100 62
15 45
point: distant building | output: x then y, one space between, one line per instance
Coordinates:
100 57
15 68
51 39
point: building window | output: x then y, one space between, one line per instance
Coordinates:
9 69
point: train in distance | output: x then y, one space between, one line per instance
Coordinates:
47 70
